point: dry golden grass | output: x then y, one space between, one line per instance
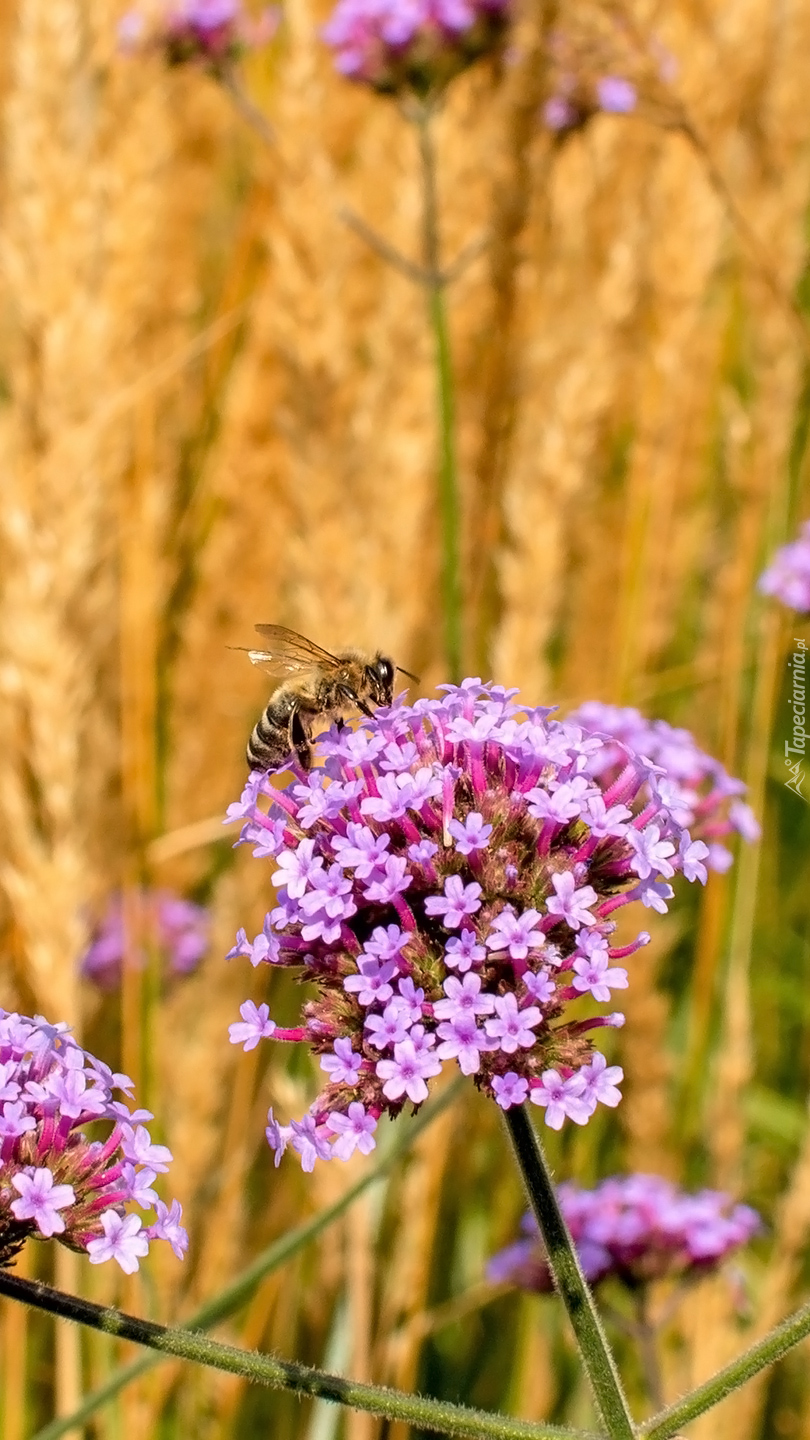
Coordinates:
218 409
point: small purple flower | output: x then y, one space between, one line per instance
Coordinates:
390 880
138 1146
539 984
472 835
355 1131
462 1040
510 1089
463 951
278 1136
458 902
601 1082
342 1065
371 984
121 1241
311 1141
330 894
40 1200
387 1029
386 942
691 855
463 998
256 1025
652 853
594 975
515 935
561 1097
615 95
168 1227
513 1028
571 904
407 1073
560 114
296 868
360 849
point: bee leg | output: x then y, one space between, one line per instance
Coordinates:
299 740
349 695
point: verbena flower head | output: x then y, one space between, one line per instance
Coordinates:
54 1181
417 45
788 575
448 882
697 789
176 928
214 32
636 1228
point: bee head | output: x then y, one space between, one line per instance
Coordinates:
380 680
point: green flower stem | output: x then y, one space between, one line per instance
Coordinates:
191 1345
671 1421
449 509
568 1278
228 1301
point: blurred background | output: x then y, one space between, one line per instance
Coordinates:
217 408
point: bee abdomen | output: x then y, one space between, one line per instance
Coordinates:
278 734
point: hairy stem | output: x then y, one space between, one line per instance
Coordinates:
278 1374
228 1301
569 1280
670 1422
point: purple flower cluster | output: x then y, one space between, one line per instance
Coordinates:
215 32
448 881
574 100
695 788
788 575
53 1180
178 930
635 1227
394 45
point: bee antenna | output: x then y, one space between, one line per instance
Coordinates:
410 676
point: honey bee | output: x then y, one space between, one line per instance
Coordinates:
319 685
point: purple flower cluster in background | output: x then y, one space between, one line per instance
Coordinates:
54 1181
599 64
448 882
698 791
176 928
420 45
574 100
635 1227
788 575
215 32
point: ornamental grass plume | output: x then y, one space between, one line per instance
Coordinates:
54 1181
637 1228
787 577
696 788
176 928
417 45
447 880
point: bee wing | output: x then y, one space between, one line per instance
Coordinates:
289 653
